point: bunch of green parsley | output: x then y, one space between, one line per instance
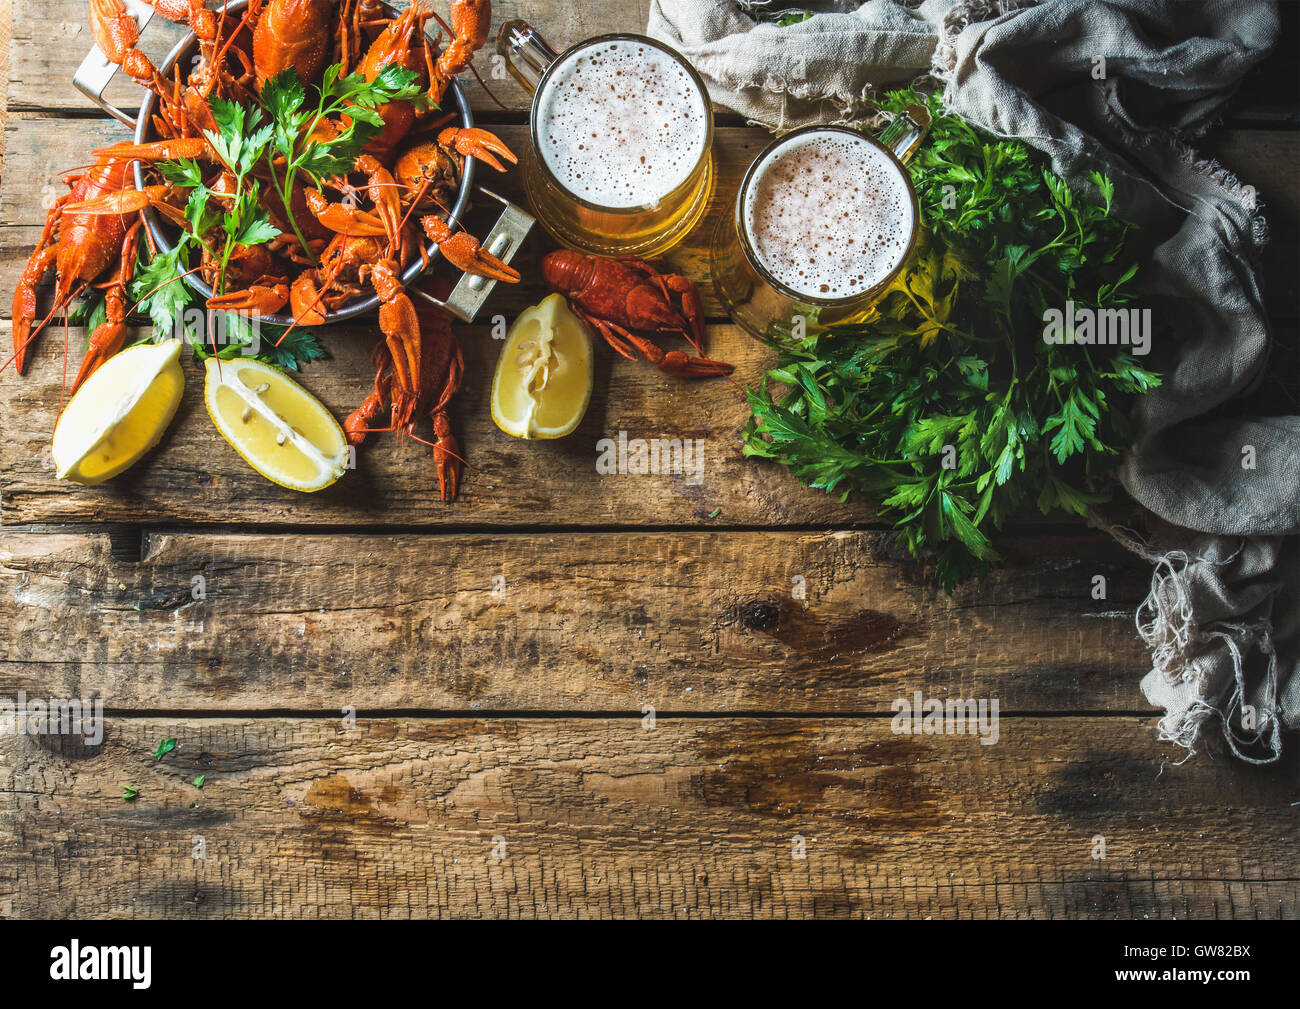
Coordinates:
947 410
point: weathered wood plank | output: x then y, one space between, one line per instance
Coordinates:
35 156
701 622
195 476
50 41
693 818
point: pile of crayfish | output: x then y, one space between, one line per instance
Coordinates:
356 233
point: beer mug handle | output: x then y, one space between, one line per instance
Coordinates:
525 51
904 135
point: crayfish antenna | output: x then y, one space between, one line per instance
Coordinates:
483 84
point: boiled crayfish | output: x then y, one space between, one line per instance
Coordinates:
355 233
418 368
80 247
624 299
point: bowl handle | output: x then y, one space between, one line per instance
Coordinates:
503 241
96 71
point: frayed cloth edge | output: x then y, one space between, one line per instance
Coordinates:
1174 640
1208 168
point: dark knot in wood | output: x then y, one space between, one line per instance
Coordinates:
756 614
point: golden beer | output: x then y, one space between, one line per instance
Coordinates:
825 220
620 161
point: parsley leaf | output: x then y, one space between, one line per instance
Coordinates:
160 293
184 172
164 747
300 345
283 95
295 146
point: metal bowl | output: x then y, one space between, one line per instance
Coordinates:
163 233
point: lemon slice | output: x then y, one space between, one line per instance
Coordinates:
119 414
281 430
543 380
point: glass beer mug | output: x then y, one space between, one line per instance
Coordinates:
825 220
620 161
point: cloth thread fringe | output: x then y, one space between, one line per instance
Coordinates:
1174 639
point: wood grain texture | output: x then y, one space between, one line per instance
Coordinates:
605 818
698 622
782 730
194 476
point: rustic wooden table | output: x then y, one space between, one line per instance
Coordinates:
502 652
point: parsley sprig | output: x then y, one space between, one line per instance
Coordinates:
295 147
947 410
240 140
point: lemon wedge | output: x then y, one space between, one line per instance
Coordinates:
543 380
119 413
280 429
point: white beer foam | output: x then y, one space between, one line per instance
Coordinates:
621 124
828 214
